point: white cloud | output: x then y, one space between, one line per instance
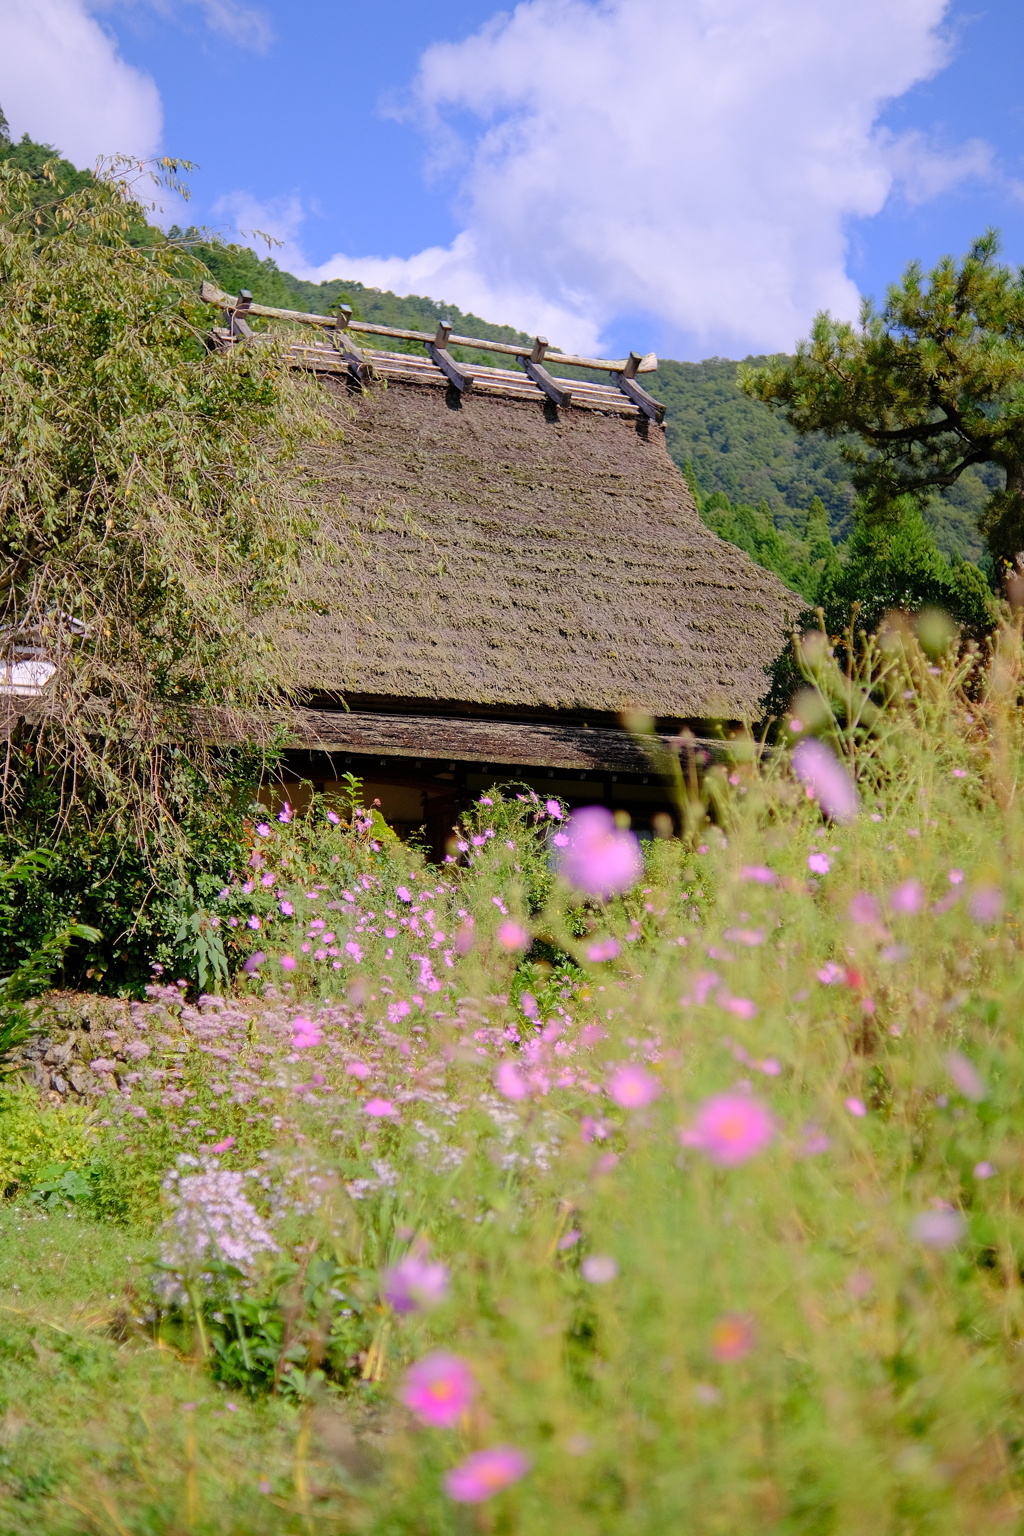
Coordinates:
248 219
63 81
697 160
243 24
922 172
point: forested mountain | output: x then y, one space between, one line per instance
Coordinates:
731 445
235 266
758 483
739 447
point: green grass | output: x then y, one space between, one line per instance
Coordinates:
875 1384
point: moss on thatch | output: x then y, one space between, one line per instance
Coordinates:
495 553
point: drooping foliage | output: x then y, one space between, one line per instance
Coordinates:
144 517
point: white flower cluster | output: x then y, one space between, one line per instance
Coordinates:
211 1221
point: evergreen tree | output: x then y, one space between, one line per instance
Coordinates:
897 565
926 389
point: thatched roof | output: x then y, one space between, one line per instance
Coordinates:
496 553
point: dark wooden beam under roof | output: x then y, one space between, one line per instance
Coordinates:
499 742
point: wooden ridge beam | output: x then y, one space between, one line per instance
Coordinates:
437 351
626 381
533 368
211 294
358 366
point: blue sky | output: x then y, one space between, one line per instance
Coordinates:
697 176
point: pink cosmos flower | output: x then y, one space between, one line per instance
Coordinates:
513 936
814 1141
599 1269
263 829
732 1337
439 1389
561 840
600 859
254 962
864 910
287 910
631 1087
285 813
306 1033
742 1007
334 818
403 893
956 877
380 1109
856 1107
966 1077
943 1227
554 809
986 904
287 962
415 1284
485 1473
528 1003
569 1240
357 1069
510 1082
983 1171
907 898
731 1128
223 1146
818 863
820 771
760 874
702 985
604 949
831 973
750 937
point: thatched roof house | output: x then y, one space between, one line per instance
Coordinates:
512 574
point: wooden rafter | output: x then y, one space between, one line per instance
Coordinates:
336 353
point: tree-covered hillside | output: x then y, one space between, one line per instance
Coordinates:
758 482
733 445
749 453
235 267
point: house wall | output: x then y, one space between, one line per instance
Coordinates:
430 803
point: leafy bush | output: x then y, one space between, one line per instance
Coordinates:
36 1137
145 515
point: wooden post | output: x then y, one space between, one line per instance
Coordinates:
437 351
540 376
626 380
357 364
243 303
